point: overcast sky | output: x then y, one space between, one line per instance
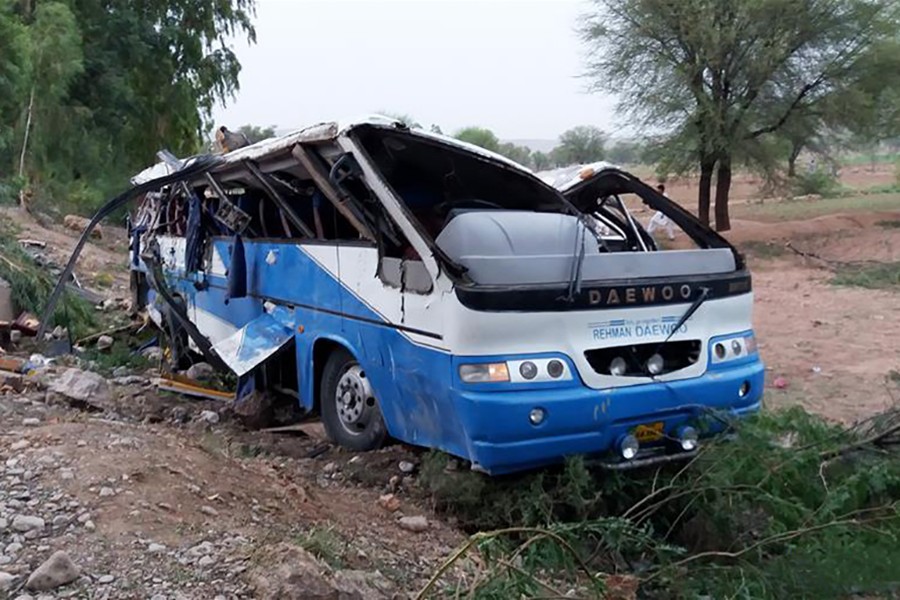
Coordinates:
511 66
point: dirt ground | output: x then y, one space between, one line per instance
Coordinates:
153 497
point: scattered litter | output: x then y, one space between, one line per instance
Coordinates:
816 369
780 383
209 416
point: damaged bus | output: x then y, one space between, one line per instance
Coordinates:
406 285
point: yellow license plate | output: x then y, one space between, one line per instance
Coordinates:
649 432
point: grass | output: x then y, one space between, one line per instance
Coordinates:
880 276
326 544
763 250
889 224
807 209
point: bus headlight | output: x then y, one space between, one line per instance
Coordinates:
739 346
687 438
618 366
528 370
484 373
655 364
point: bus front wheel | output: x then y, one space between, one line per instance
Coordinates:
349 409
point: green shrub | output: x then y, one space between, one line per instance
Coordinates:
820 183
794 507
876 276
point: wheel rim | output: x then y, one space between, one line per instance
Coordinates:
354 401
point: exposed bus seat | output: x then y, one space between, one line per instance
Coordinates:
521 247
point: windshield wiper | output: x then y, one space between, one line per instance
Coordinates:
704 294
578 254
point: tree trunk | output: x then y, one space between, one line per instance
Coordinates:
22 195
707 166
792 159
723 188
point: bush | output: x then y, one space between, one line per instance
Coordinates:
819 183
795 507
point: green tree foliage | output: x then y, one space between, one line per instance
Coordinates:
479 136
625 153
519 154
540 161
721 75
14 74
582 144
256 133
113 83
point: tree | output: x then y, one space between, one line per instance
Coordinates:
479 136
625 152
112 84
720 74
540 160
255 133
514 152
582 144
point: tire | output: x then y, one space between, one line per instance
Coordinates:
349 409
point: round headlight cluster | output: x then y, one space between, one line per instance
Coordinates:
629 446
736 347
655 364
528 370
555 369
720 351
618 366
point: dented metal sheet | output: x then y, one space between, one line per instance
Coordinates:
252 344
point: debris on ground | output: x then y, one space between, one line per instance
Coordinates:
79 224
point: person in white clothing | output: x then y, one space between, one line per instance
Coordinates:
661 221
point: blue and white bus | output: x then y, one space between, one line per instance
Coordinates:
406 285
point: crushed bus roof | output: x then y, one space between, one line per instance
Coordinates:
320 132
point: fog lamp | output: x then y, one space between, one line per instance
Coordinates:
536 416
744 389
687 437
629 446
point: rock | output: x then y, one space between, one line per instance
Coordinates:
15 336
406 466
104 343
289 572
59 332
13 548
209 416
57 571
6 581
389 502
31 422
120 371
201 549
60 520
153 353
156 548
416 524
209 510
206 561
66 474
76 223
23 523
330 468
3 524
82 386
201 371
130 380
20 445
106 492
89 525
106 579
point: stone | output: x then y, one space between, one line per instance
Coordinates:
31 422
209 416
104 343
82 386
201 371
156 548
59 332
20 445
23 523
206 561
330 468
416 524
60 520
105 579
79 224
3 524
389 502
89 525
106 492
406 466
209 510
120 371
201 549
57 571
13 548
7 581
152 354
66 474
